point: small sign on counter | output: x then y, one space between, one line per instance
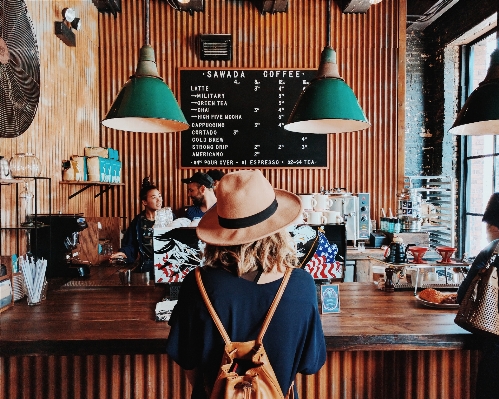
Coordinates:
330 298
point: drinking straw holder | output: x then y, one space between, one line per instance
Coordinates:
35 283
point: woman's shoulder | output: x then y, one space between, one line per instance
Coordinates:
302 275
485 254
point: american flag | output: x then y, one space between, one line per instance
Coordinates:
323 264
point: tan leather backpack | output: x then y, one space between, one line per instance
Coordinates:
245 371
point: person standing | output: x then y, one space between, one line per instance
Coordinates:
216 175
487 383
247 251
138 239
200 191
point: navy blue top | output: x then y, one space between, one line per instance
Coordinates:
138 239
193 211
294 340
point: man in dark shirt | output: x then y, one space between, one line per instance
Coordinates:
200 190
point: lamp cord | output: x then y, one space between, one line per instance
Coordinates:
328 24
147 25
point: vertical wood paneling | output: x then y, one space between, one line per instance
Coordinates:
369 55
346 375
68 115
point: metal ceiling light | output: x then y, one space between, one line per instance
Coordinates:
328 104
146 103
480 113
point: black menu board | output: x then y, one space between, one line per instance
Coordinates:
237 118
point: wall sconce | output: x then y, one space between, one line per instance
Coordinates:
187 5
63 29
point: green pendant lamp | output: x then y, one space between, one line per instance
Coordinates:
328 104
146 103
480 113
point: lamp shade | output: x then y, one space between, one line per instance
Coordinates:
146 103
328 104
480 113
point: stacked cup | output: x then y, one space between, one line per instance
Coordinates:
316 209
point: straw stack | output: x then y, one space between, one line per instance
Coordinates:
34 277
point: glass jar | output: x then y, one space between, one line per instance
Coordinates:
163 217
25 165
26 206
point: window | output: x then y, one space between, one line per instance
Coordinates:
481 153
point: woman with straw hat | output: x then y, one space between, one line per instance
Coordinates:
248 249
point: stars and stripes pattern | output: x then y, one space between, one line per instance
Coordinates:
323 264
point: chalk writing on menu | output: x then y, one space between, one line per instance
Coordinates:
237 118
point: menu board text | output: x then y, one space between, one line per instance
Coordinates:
237 118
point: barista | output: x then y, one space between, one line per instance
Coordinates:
200 188
138 237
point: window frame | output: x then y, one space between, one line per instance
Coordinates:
466 88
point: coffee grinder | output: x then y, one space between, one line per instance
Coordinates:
58 245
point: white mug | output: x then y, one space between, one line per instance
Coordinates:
314 217
308 201
323 202
332 217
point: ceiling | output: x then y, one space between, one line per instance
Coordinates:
421 13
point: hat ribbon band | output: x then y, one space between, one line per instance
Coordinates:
248 221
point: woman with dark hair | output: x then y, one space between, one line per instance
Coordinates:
138 238
248 252
487 384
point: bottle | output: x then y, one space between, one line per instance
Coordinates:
397 226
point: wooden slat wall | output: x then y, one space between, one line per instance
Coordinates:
346 375
370 49
67 118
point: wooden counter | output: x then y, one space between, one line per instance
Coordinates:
105 341
364 262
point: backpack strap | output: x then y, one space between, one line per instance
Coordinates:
208 304
268 317
273 307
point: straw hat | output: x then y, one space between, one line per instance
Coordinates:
247 209
491 214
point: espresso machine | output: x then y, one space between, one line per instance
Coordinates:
58 245
355 211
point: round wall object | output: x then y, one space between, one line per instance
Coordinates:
19 69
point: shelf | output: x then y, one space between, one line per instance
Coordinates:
12 225
24 227
6 182
88 184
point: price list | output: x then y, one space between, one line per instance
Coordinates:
237 118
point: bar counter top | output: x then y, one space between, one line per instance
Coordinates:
121 319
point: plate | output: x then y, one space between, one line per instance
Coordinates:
437 305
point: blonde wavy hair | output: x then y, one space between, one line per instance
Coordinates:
273 253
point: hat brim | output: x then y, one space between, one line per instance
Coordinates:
289 210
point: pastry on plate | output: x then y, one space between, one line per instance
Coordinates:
435 296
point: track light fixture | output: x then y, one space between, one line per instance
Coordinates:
63 29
